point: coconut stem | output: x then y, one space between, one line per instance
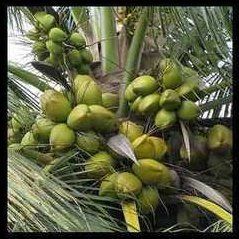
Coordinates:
109 40
133 57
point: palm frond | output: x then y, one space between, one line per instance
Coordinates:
44 203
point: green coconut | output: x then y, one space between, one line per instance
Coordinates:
165 119
144 85
148 200
55 105
129 93
189 90
86 56
149 104
104 120
170 100
39 47
88 92
88 142
57 35
42 128
151 172
79 118
110 101
54 60
46 21
83 69
172 76
107 186
100 165
54 48
147 146
76 39
79 80
135 105
131 130
29 139
219 138
61 137
188 110
74 57
127 184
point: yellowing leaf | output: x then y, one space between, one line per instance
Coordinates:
131 216
210 206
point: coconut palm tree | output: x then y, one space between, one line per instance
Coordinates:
51 192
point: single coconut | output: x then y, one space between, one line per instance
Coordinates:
144 85
107 187
54 60
110 101
46 21
74 57
89 93
151 172
129 93
188 110
39 47
55 105
170 100
148 199
79 118
86 56
135 105
28 139
76 39
83 69
165 119
127 184
172 76
147 146
42 128
131 130
104 121
149 104
54 48
61 137
100 165
88 142
57 35
219 138
79 79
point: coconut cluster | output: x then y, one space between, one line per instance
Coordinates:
176 100
143 180
52 44
79 123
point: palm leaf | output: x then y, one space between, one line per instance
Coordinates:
210 206
209 192
46 204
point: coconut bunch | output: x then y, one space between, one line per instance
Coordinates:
76 121
140 183
173 101
52 44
